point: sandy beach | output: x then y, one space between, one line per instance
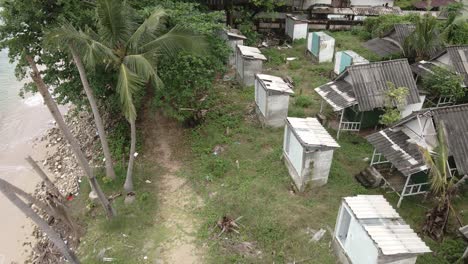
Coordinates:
22 122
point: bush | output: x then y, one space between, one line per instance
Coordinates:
377 26
303 101
275 58
296 112
444 83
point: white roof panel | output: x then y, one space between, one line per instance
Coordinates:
275 83
311 132
251 52
387 229
396 239
235 34
371 206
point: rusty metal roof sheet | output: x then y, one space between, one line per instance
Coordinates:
369 82
455 119
397 148
382 47
338 94
275 83
311 133
459 57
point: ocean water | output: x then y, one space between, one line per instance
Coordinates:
21 121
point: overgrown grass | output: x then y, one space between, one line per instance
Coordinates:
134 233
249 179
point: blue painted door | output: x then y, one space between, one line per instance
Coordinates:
315 44
346 61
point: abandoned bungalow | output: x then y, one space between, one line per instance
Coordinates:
249 61
311 4
307 151
369 230
347 58
400 146
392 42
453 58
233 38
296 28
359 93
321 46
272 99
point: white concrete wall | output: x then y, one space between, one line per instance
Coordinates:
371 2
408 109
300 31
327 49
309 42
358 245
239 65
277 109
233 44
321 162
260 97
289 27
294 152
336 69
250 68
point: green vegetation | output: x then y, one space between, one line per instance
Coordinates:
395 99
134 233
444 83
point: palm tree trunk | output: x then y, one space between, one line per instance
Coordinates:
53 108
51 234
128 186
97 117
44 177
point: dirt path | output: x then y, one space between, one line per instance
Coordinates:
178 202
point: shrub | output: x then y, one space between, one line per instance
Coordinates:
303 101
275 58
444 83
377 26
296 112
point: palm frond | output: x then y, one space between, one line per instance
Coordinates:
128 83
151 24
143 67
114 21
96 52
177 39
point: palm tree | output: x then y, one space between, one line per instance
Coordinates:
443 186
132 50
11 192
65 36
83 162
424 40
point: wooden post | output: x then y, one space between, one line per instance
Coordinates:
339 125
403 192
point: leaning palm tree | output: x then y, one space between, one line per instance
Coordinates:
132 50
424 40
64 36
443 186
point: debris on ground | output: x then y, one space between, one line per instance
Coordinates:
218 149
315 235
227 225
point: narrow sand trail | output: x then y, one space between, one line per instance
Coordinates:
177 201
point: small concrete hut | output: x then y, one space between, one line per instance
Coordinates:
308 151
249 61
347 58
296 28
233 38
321 46
272 99
368 230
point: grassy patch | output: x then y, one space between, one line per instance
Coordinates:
248 179
134 233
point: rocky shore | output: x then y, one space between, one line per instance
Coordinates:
62 167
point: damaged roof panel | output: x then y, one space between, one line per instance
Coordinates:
339 94
251 52
459 57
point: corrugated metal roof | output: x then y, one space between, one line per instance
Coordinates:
235 33
455 119
275 83
396 239
385 226
397 148
251 52
382 47
371 207
433 3
339 94
297 20
311 133
402 31
459 57
370 82
422 68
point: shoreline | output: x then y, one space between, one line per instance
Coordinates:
63 169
